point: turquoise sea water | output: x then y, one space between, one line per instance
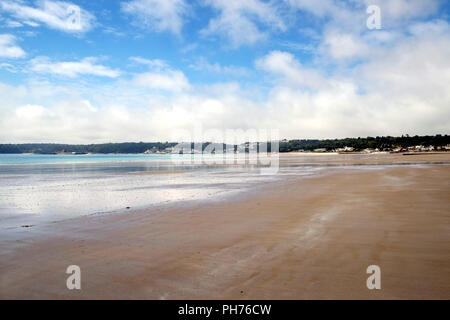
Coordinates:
89 158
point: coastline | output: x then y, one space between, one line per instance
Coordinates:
299 238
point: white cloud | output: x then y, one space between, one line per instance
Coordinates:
160 76
345 38
29 111
400 90
387 82
435 27
344 45
290 70
9 67
170 80
158 15
391 10
417 66
157 64
394 12
241 22
204 65
73 69
58 15
318 7
31 24
342 14
8 47
13 24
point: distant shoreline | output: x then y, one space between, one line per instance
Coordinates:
283 152
347 145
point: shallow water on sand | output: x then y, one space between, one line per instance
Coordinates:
39 188
36 189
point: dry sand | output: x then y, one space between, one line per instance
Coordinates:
305 238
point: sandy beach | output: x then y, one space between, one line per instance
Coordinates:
301 238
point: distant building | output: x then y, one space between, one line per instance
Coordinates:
152 151
345 149
398 149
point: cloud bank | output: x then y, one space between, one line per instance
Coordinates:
358 82
59 15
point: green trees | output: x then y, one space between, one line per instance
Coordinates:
381 143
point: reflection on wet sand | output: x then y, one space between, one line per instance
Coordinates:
299 236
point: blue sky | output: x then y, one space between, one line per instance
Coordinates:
116 36
137 70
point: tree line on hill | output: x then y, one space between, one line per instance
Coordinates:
381 143
50 148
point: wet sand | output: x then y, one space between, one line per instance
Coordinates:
363 159
303 238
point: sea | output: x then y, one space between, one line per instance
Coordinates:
37 189
41 189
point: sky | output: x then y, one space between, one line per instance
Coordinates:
146 70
